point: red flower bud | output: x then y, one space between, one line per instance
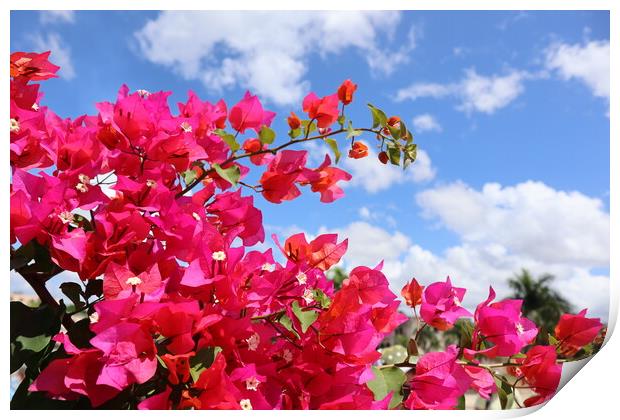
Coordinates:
345 91
358 151
383 157
293 121
252 145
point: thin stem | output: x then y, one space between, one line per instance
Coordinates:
231 159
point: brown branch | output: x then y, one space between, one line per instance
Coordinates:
37 282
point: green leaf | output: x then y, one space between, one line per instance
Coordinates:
411 154
34 344
230 174
22 256
94 287
403 130
394 354
461 403
32 322
202 360
351 132
266 135
341 120
387 380
378 117
308 128
394 154
321 298
294 133
553 341
334 146
189 176
394 131
229 139
74 292
306 318
287 323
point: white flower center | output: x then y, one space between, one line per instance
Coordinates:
81 187
84 179
150 183
253 342
245 404
35 107
133 281
287 355
308 296
519 328
301 278
94 317
186 127
14 125
143 93
219 256
457 301
66 216
252 383
196 216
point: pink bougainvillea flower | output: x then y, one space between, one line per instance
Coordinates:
323 110
482 381
438 382
441 305
575 331
119 281
249 113
412 293
501 324
129 355
541 371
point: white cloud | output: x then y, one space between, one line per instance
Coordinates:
422 90
501 231
588 63
426 122
529 219
371 175
475 92
61 53
56 16
266 52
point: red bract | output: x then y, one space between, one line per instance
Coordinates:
441 305
346 90
575 331
249 113
323 110
32 66
541 371
412 293
501 324
438 381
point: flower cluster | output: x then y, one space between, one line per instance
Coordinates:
174 311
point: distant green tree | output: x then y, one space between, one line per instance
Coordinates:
541 303
337 275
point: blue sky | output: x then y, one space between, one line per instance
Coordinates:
510 110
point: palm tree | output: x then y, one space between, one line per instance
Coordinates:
541 303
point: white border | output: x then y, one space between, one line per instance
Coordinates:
593 395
